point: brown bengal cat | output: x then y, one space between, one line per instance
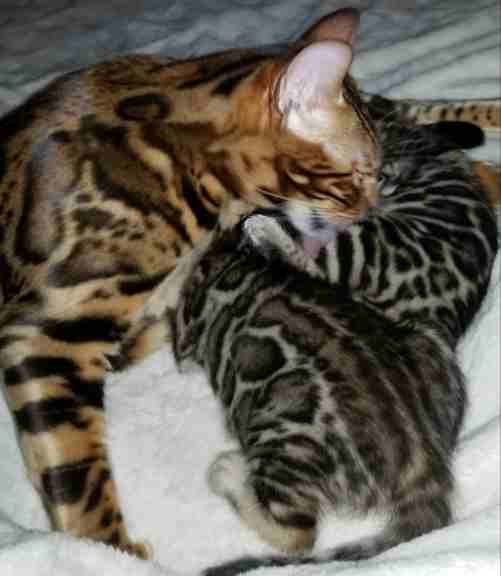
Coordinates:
109 177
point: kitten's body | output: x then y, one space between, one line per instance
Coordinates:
333 405
345 393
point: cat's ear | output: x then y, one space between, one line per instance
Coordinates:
313 79
340 25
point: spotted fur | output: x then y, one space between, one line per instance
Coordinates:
109 177
335 361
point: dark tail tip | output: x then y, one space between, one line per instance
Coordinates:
246 564
459 134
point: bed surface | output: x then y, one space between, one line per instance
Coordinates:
165 428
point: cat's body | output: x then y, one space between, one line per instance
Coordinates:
344 391
108 178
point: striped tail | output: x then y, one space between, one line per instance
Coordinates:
485 113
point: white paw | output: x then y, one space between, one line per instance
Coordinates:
254 229
265 232
227 475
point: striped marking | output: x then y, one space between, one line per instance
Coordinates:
39 367
144 107
83 330
205 218
45 415
207 76
228 85
66 484
95 497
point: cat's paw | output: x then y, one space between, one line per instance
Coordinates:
274 242
227 475
267 237
143 550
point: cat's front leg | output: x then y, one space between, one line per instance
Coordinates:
151 326
55 366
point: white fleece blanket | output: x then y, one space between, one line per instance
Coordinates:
165 428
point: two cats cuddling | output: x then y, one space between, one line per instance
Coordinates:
318 251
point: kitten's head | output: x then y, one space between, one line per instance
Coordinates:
327 152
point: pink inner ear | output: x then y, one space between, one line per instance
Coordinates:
315 76
339 25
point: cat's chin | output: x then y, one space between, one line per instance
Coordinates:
314 242
312 246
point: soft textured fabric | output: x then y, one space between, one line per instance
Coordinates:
164 427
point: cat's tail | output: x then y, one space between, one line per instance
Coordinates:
483 112
409 520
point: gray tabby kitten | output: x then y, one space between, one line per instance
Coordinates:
344 390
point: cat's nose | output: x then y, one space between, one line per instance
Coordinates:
368 158
364 177
372 193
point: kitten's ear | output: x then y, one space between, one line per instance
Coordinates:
313 80
340 25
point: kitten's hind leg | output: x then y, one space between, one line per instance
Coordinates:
411 518
261 505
